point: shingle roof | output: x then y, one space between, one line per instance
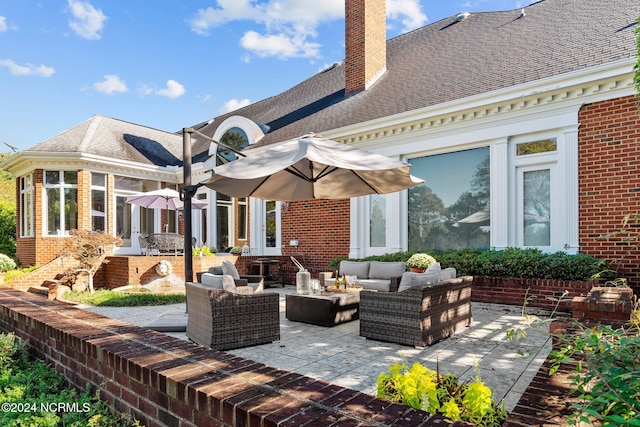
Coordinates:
449 60
112 138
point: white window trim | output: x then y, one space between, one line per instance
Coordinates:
62 232
27 193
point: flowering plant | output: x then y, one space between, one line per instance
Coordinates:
422 388
420 261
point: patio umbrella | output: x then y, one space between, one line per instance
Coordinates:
165 198
311 167
482 218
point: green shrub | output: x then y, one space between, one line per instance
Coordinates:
511 262
204 251
422 388
11 275
236 250
607 374
6 263
109 298
8 227
41 392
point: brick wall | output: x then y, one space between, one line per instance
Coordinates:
500 290
167 382
609 179
366 43
322 228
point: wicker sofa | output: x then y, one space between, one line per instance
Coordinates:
378 276
419 316
224 320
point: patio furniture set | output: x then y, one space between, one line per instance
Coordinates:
158 243
229 311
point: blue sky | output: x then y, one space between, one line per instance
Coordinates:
169 64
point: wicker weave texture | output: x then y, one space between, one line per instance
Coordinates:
224 320
419 316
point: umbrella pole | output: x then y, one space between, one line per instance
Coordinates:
186 168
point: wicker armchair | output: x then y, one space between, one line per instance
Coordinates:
419 316
224 320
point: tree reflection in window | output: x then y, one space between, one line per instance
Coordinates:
235 138
450 210
537 207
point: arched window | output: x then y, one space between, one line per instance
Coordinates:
235 138
231 224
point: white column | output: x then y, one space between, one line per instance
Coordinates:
499 205
569 157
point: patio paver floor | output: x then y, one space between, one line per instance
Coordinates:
340 356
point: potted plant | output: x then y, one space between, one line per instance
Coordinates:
419 262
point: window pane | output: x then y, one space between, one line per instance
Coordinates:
52 177
98 179
98 210
53 211
537 208
134 184
235 138
536 147
70 177
450 210
242 221
123 220
270 223
70 209
377 221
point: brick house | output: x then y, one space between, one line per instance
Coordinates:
523 123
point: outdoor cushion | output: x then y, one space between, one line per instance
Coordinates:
229 268
218 281
417 279
380 285
355 268
448 273
434 267
216 270
386 270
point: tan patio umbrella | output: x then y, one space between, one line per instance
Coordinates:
311 167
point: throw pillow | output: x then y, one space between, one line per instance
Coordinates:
228 284
229 268
410 280
211 280
386 270
355 268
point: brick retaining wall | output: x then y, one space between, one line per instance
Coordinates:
168 382
512 291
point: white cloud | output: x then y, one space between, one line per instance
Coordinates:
290 25
3 24
110 85
279 45
144 89
234 104
409 12
173 90
28 69
87 21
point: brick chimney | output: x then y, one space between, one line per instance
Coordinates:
366 43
